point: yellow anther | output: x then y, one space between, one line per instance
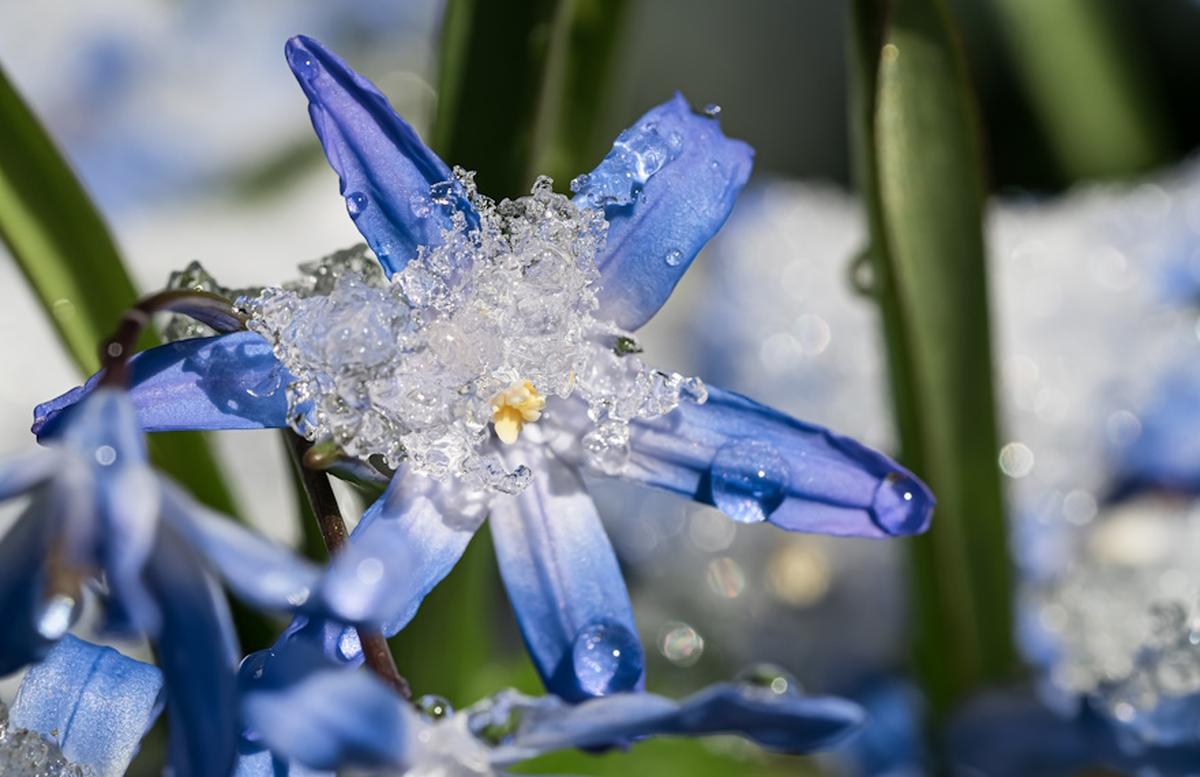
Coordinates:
517 405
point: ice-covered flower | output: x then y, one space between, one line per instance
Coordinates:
496 363
81 712
301 710
100 517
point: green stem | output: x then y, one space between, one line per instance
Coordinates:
920 172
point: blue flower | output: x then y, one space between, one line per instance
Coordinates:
85 707
100 514
300 709
666 187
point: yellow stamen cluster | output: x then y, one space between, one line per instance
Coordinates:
517 405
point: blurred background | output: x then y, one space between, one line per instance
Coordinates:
185 126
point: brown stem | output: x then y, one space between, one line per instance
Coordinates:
376 654
207 308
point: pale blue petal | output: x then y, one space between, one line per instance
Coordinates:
322 716
259 762
194 652
405 544
385 170
564 583
785 722
666 187
21 472
756 463
94 702
265 574
229 381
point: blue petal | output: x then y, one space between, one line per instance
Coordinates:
23 551
785 722
21 472
755 463
385 170
195 652
565 585
94 702
260 762
406 542
321 716
225 382
666 187
265 574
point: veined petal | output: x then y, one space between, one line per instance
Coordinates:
666 187
755 463
229 381
565 585
406 542
321 716
785 722
23 551
264 573
196 654
94 702
385 170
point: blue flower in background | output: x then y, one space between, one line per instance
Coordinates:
85 707
100 514
303 710
662 202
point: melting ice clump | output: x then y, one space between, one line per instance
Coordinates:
410 368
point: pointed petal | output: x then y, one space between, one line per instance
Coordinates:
320 716
194 653
385 170
94 702
666 187
565 585
755 463
263 573
786 722
225 382
406 542
23 551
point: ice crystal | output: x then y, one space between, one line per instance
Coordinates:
195 278
414 367
25 753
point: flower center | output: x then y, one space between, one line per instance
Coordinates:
517 405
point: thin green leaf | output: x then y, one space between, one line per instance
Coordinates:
921 175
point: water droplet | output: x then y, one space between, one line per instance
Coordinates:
681 644
712 109
268 385
749 480
434 706
607 658
106 455
673 257
442 193
356 203
419 204
497 719
302 63
55 616
769 678
349 646
901 504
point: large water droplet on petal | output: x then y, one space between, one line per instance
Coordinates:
749 479
356 203
901 504
607 657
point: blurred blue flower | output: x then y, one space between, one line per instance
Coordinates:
100 514
85 707
558 565
300 708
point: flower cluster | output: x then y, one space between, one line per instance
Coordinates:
487 368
